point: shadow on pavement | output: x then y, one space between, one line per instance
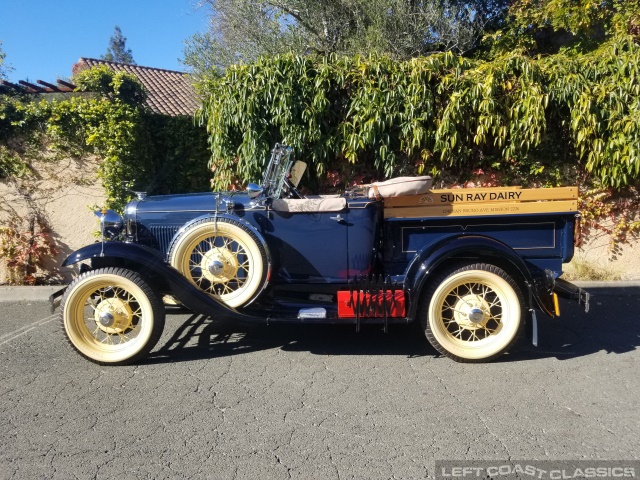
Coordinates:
612 325
220 338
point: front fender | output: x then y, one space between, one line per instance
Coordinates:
150 263
133 252
482 249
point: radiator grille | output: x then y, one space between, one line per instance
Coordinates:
163 235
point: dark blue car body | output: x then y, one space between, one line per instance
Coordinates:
357 262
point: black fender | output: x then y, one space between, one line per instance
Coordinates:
482 249
145 256
150 263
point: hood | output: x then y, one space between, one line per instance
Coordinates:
195 202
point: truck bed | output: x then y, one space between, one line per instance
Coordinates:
538 224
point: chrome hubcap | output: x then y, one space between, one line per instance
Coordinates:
106 319
476 315
219 265
113 315
216 267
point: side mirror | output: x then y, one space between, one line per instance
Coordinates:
296 173
254 190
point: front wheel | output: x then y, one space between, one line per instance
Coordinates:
111 316
472 313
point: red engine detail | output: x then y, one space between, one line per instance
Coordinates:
371 304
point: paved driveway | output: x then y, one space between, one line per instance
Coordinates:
221 401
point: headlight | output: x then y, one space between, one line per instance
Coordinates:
111 223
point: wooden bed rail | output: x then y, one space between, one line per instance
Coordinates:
457 202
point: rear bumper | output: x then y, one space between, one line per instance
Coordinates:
570 291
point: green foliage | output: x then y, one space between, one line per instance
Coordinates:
550 26
120 86
530 119
118 51
598 96
525 117
11 165
243 30
147 151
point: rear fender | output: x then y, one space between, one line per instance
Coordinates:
150 264
478 249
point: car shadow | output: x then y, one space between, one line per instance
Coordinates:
611 325
201 337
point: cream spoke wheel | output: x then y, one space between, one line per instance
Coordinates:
111 316
225 260
472 313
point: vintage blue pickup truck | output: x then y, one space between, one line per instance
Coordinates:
472 266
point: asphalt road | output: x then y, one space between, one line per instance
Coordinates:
276 402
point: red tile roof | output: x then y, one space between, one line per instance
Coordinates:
168 92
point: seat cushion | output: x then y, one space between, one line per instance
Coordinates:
400 186
309 205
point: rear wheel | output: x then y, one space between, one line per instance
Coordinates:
111 316
472 313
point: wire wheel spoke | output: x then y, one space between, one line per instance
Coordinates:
123 338
461 304
458 332
122 305
495 303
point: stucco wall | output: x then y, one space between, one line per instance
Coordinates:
611 261
60 191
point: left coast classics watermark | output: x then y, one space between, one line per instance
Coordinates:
539 470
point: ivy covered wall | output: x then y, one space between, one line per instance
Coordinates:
147 151
532 120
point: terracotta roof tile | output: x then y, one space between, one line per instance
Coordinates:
168 92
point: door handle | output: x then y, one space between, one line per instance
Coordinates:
338 218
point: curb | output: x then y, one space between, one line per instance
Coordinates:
598 289
42 293
27 293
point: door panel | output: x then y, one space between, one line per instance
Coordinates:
306 247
